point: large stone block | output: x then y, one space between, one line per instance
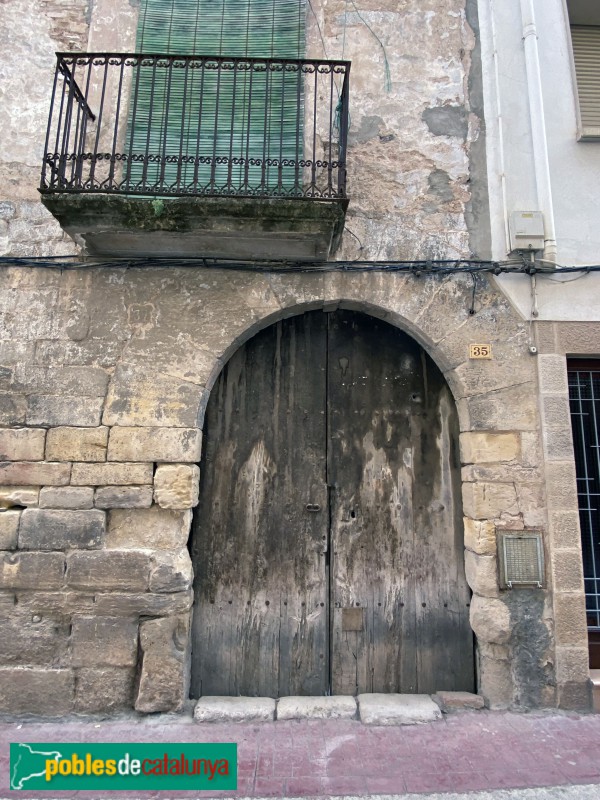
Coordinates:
553 374
104 641
163 677
123 497
42 529
32 570
335 707
564 529
561 485
13 409
490 619
76 444
9 527
110 474
153 528
143 397
558 443
35 690
127 571
143 604
67 497
496 683
60 602
176 486
172 572
567 571
72 381
34 473
489 500
480 536
54 411
458 701
397 709
481 448
11 496
104 689
155 444
482 574
570 626
572 664
33 639
22 444
236 709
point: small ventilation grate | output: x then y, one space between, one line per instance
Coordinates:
521 559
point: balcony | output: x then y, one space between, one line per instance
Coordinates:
198 156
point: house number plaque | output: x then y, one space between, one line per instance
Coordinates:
480 351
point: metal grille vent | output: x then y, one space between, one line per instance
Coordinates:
521 559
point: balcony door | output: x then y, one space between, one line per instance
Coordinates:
327 545
214 126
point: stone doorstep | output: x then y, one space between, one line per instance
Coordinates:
371 709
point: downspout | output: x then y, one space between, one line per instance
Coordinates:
538 128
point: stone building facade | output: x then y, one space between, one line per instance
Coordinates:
106 372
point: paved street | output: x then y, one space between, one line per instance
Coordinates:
464 752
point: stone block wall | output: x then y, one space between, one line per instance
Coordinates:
95 576
105 375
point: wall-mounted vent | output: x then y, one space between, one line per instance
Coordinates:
521 559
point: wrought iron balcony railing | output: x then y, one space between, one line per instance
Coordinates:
197 125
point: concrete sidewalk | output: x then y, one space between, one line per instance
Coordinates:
463 752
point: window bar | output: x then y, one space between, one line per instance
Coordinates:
199 131
281 130
585 495
186 69
66 141
263 171
87 116
299 112
46 161
343 139
247 154
76 133
137 65
99 124
330 155
594 434
111 171
313 173
165 146
232 128
150 115
215 148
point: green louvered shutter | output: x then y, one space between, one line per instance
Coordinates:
231 114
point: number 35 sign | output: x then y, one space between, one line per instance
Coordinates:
480 351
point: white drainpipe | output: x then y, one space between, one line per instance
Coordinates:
538 128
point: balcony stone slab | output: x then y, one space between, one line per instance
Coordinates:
237 228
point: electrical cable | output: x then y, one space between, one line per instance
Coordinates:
417 267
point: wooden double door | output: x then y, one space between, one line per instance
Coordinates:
327 545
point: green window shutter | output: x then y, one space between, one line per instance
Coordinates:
186 114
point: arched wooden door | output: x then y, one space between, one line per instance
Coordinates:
327 545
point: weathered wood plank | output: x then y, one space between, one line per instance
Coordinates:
395 535
257 549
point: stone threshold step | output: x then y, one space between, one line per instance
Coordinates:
371 709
